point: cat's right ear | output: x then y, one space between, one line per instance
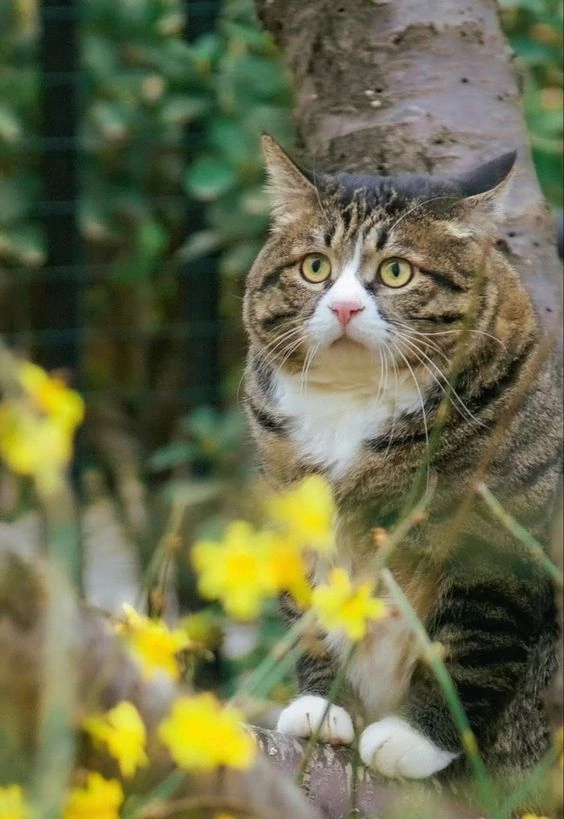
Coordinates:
288 188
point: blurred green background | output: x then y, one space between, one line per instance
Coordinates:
131 206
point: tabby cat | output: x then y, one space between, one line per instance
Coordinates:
376 303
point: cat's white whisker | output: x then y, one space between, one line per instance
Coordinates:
396 402
312 352
406 333
451 332
441 379
423 411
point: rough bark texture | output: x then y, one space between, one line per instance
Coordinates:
328 782
393 85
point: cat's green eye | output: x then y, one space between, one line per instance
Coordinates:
395 272
315 268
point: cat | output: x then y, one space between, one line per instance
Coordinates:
368 291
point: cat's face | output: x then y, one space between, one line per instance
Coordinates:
392 266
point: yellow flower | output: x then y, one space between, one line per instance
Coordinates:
289 570
236 570
98 798
51 395
533 816
12 803
305 513
340 605
36 429
202 733
123 731
154 644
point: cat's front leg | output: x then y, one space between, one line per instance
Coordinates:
488 630
394 748
311 714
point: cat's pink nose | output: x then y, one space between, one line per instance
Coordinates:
345 310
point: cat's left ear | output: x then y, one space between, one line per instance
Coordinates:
288 188
483 188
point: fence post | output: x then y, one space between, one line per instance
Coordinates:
201 284
58 313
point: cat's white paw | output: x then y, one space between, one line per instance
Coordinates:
395 749
303 718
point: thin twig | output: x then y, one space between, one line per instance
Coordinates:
331 697
159 566
265 670
522 535
415 516
56 743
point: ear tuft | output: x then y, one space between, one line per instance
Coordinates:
288 188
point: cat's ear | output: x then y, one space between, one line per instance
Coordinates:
482 192
288 188
484 187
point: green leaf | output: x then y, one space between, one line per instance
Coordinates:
150 242
171 455
23 245
210 177
179 110
10 125
238 147
199 244
239 258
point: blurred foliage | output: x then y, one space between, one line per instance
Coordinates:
140 88
207 444
20 239
534 29
249 93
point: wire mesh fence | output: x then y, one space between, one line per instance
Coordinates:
92 201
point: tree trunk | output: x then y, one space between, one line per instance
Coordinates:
399 86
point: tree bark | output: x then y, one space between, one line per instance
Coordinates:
396 86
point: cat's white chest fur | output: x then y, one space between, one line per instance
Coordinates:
344 400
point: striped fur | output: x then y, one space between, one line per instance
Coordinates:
382 382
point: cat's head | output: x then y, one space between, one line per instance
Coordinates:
370 261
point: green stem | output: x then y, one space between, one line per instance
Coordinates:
160 562
289 643
403 527
523 536
431 654
56 741
535 777
139 807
